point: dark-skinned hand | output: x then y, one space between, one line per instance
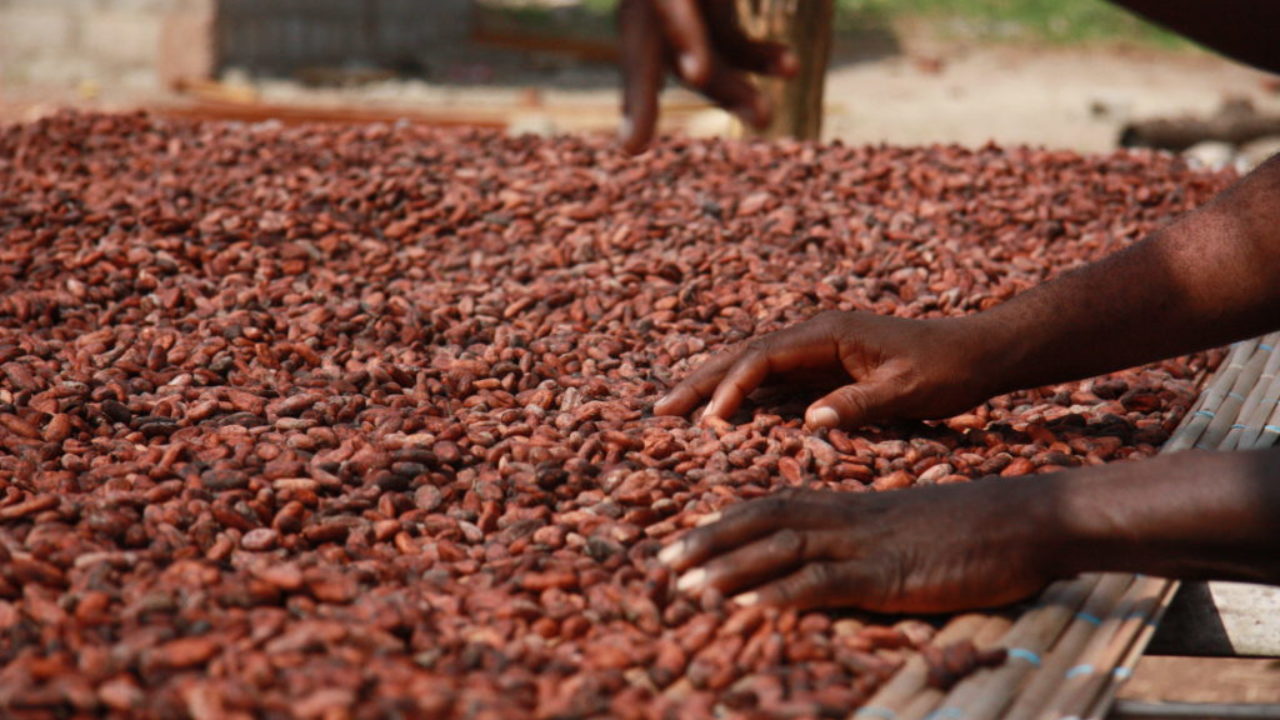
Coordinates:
886 368
923 550
703 43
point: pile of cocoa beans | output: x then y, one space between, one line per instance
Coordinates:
328 422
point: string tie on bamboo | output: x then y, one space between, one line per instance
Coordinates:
1078 670
1025 654
943 713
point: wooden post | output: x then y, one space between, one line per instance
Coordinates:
806 26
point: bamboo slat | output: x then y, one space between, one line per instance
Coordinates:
1226 415
891 700
1205 409
1106 594
1257 408
925 704
1027 642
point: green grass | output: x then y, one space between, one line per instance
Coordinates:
1059 22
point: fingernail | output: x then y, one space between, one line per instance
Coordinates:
747 599
821 417
708 519
671 553
688 67
692 579
624 129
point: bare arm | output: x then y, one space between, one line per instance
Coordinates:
1197 515
1243 30
954 547
1210 278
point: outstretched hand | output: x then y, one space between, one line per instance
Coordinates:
923 550
703 42
885 368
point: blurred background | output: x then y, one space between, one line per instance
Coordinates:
1062 73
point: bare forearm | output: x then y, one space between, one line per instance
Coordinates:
1209 278
1209 516
1240 29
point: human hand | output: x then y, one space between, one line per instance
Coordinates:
703 42
900 369
922 550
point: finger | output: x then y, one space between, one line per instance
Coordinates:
734 91
687 32
731 41
817 584
700 384
769 558
740 524
642 71
807 345
745 376
851 406
803 347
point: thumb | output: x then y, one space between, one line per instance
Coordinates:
851 406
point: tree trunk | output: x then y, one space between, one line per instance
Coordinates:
804 25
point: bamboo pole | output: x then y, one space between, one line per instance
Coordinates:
1257 434
892 699
1095 652
1253 413
1205 410
805 26
1027 643
1271 431
1083 628
926 702
1245 382
1268 429
1124 669
1085 682
1258 404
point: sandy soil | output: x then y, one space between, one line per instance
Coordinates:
1065 98
1059 98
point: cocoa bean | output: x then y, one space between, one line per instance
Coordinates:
358 418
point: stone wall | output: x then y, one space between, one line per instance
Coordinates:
55 41
150 42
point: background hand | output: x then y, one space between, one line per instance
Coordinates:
900 369
924 550
703 42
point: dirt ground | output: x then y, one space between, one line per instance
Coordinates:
929 92
1067 98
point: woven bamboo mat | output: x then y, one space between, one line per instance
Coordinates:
1071 651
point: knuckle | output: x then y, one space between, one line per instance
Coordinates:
787 543
853 398
820 575
699 540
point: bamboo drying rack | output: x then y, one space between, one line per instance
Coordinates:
1071 651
